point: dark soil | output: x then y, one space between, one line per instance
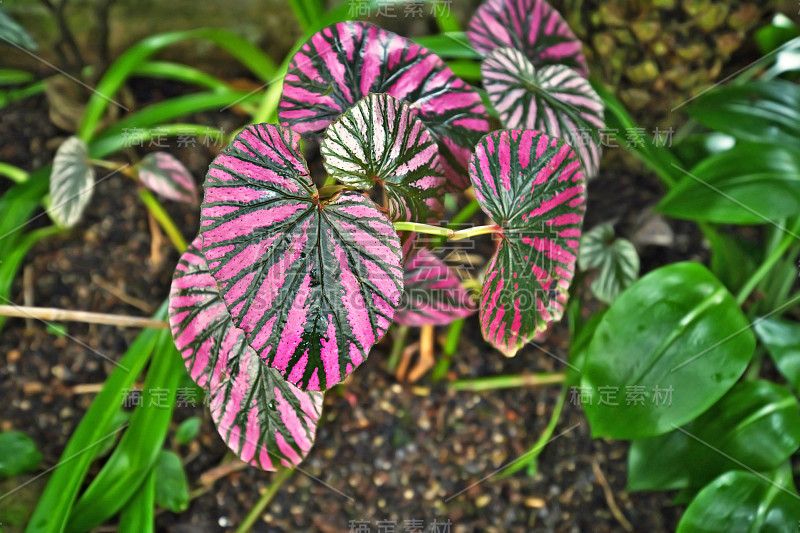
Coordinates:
385 451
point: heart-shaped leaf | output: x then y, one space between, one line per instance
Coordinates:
532 186
532 27
616 260
757 424
71 182
741 502
553 99
433 293
260 416
379 140
746 185
312 281
667 349
163 174
345 62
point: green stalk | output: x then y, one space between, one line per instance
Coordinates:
397 348
508 382
15 174
280 477
460 218
450 346
163 219
446 232
775 256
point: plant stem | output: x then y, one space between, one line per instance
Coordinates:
397 348
450 346
278 480
768 263
53 314
446 232
507 382
532 454
16 174
164 220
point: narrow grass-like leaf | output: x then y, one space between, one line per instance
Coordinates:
71 182
13 33
532 186
262 418
312 281
343 63
379 140
532 27
554 99
163 174
433 293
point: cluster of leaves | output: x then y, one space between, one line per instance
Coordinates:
289 285
719 431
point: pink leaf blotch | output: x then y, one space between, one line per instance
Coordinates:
433 293
532 186
532 27
265 420
164 175
379 140
313 282
343 63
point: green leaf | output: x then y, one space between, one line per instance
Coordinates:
747 185
172 488
669 347
782 340
13 33
188 430
759 112
778 32
616 260
138 515
18 454
733 259
71 182
742 502
757 424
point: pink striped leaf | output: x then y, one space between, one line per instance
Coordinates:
433 293
163 174
345 62
553 99
532 186
262 418
380 141
312 281
532 27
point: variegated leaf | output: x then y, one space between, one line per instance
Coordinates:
71 183
345 62
262 418
615 259
553 99
163 174
379 140
433 293
313 282
532 27
532 186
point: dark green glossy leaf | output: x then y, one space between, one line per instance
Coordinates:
675 341
615 259
759 112
746 185
733 259
743 502
18 454
757 424
71 182
172 487
782 340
